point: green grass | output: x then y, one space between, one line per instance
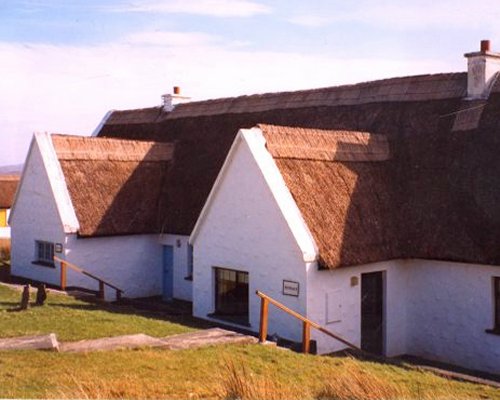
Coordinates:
230 371
73 319
202 373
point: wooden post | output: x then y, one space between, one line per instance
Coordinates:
63 275
100 295
264 306
118 295
306 337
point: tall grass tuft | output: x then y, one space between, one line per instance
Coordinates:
236 381
352 382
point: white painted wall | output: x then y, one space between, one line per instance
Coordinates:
5 231
35 218
244 229
183 288
133 263
334 287
450 306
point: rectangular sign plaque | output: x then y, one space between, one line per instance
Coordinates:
290 288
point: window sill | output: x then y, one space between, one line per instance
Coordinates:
495 331
189 278
44 264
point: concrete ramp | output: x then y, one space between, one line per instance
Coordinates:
206 337
40 342
112 343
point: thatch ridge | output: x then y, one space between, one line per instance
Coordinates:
324 145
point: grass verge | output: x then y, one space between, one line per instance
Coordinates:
73 319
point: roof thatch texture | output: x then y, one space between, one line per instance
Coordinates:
8 187
115 185
432 192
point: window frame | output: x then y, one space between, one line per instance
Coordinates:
44 253
242 278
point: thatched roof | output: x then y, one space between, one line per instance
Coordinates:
8 187
116 186
434 196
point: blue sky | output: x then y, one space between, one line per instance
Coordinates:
64 64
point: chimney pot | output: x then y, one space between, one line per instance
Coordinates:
177 89
485 46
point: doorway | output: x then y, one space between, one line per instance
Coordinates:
168 273
372 312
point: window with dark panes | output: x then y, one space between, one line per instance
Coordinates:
231 292
44 253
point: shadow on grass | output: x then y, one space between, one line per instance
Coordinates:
408 362
125 309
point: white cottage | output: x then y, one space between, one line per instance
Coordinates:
98 205
300 215
369 208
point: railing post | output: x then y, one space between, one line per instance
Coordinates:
264 306
100 295
306 337
63 276
118 295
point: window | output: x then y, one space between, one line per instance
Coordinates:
3 218
44 253
231 295
496 294
189 275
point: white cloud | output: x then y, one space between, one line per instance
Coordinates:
430 13
173 39
214 8
310 21
68 89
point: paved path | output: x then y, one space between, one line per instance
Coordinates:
203 338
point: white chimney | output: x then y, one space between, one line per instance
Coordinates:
482 70
171 100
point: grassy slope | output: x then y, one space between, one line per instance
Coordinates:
148 373
199 373
73 319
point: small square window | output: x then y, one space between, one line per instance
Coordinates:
44 253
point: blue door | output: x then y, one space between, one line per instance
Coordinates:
168 272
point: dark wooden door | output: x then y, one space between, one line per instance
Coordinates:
372 312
